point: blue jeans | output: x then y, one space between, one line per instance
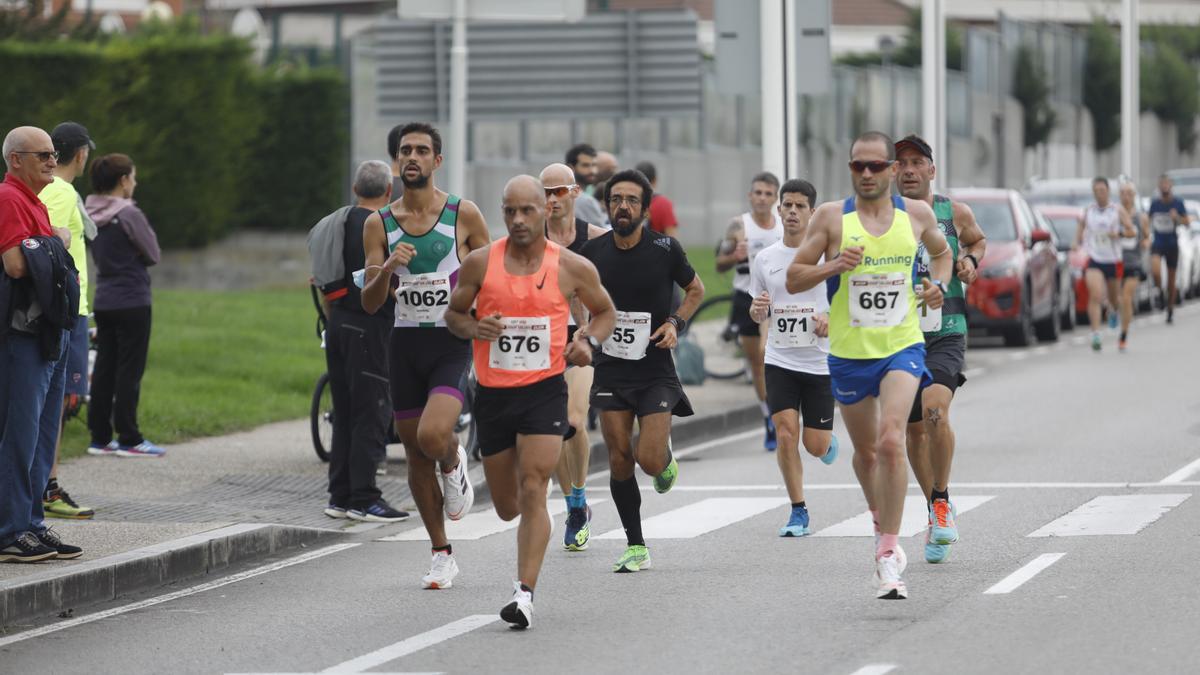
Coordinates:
31 395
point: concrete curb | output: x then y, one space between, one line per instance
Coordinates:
47 593
683 432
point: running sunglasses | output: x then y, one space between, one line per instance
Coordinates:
42 156
878 166
559 190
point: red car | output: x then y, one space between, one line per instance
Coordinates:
1065 221
1017 293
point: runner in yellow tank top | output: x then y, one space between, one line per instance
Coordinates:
521 405
877 350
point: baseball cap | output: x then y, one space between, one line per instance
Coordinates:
69 136
916 143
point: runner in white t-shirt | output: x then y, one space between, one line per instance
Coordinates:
797 351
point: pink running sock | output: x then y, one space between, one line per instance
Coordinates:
887 544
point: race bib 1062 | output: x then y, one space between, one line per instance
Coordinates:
524 344
423 298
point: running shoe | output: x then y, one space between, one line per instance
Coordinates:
1122 344
442 571
769 441
143 449
664 481
519 611
457 493
27 548
832 453
887 576
934 553
1170 316
1112 320
635 559
578 529
797 525
943 528
58 504
62 551
102 450
379 512
1095 342
336 511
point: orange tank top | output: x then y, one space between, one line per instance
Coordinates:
535 315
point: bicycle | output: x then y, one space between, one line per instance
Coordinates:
723 355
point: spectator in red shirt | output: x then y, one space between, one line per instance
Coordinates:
31 386
662 211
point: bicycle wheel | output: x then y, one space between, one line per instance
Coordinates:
468 435
321 418
717 336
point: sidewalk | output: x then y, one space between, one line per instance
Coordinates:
269 475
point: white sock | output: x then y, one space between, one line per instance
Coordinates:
766 411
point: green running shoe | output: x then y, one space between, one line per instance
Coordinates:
635 559
664 481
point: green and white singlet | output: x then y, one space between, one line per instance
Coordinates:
426 282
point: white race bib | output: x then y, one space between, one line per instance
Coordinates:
423 298
630 337
524 344
1163 222
792 325
931 319
878 300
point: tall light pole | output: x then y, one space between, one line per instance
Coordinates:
780 129
458 98
933 80
1130 94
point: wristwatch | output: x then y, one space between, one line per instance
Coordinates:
973 260
940 286
678 322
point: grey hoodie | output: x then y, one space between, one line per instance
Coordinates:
125 245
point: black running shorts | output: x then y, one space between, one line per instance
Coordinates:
945 357
660 396
421 362
501 413
741 315
810 394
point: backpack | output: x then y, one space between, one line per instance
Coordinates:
689 360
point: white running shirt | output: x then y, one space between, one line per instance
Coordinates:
768 273
1102 233
756 240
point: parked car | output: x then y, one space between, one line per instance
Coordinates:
1067 313
1187 183
1016 294
1065 221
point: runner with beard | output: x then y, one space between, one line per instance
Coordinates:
414 248
635 376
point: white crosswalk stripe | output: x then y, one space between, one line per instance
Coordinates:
479 524
701 517
1111 514
916 517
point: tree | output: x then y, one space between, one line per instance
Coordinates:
27 20
908 53
1032 91
1102 83
1171 91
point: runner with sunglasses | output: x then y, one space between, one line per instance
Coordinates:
564 228
876 348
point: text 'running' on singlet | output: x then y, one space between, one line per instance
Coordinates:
534 313
425 284
951 318
757 238
873 308
1102 233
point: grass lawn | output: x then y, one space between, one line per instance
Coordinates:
222 362
704 261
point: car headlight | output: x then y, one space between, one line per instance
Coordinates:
1009 268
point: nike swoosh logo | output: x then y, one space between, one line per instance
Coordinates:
542 282
777 271
823 421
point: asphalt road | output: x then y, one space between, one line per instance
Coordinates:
1075 479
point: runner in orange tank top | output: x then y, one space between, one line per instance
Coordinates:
521 286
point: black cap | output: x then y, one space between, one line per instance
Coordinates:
69 136
916 143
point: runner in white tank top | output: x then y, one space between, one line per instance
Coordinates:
1099 233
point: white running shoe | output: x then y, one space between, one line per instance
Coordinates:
442 571
457 493
887 576
519 611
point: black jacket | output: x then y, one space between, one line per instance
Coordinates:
53 282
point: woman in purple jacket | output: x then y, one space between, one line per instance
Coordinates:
124 247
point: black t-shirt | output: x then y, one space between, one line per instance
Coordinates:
354 259
640 279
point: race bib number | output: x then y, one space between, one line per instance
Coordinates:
423 298
1163 222
630 337
931 319
878 300
524 344
792 325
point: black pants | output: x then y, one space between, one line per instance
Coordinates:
356 355
122 342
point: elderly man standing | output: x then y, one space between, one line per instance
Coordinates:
356 348
31 385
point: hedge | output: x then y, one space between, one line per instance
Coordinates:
218 143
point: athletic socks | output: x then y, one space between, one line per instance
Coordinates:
51 488
797 505
446 549
939 494
628 500
527 589
766 411
1124 336
887 543
576 498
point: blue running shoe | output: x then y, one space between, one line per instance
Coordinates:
943 529
578 532
769 441
934 553
1112 319
143 449
831 455
797 525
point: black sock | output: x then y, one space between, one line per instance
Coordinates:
628 500
1124 335
51 487
445 548
527 589
942 494
798 505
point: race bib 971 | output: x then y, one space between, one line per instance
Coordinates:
792 325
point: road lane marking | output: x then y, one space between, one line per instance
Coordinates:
699 447
875 669
150 602
701 517
414 644
915 486
479 524
1013 581
1111 514
1182 474
915 520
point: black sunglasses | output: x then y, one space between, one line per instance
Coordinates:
42 156
877 166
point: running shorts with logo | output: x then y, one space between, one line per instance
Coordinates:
661 396
809 393
945 357
757 239
423 362
521 386
1166 237
873 324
